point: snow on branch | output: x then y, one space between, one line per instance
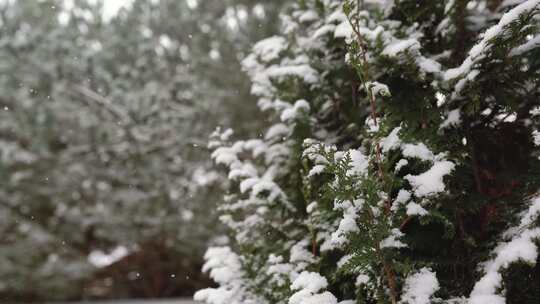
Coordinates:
420 287
520 247
466 71
225 268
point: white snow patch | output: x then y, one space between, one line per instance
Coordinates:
101 259
431 182
308 16
419 151
270 48
391 141
403 196
530 45
309 284
453 119
359 163
292 113
521 247
378 88
428 65
277 131
316 170
392 240
361 279
420 287
400 164
415 209
302 71
399 46
344 30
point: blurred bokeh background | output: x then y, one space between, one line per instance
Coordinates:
106 189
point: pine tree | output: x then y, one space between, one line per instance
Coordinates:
401 163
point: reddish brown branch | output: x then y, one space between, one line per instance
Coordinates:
387 267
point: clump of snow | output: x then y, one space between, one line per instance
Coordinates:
300 255
392 241
300 106
415 209
391 141
324 30
226 155
309 286
453 119
402 197
344 260
419 151
441 99
359 163
316 170
303 71
431 182
371 126
308 16
101 259
278 271
311 207
361 279
378 88
348 223
306 297
400 164
340 23
428 65
536 137
420 287
344 30
311 281
226 269
223 264
399 46
532 213
270 48
277 131
258 185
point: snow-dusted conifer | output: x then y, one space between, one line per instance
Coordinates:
402 154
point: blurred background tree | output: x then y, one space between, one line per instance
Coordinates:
106 189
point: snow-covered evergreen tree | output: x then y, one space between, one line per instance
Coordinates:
103 125
402 162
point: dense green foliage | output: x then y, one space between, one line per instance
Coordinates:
403 162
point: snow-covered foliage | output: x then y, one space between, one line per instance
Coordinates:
521 246
103 127
400 150
226 269
420 287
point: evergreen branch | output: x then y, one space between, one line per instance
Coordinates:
364 73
